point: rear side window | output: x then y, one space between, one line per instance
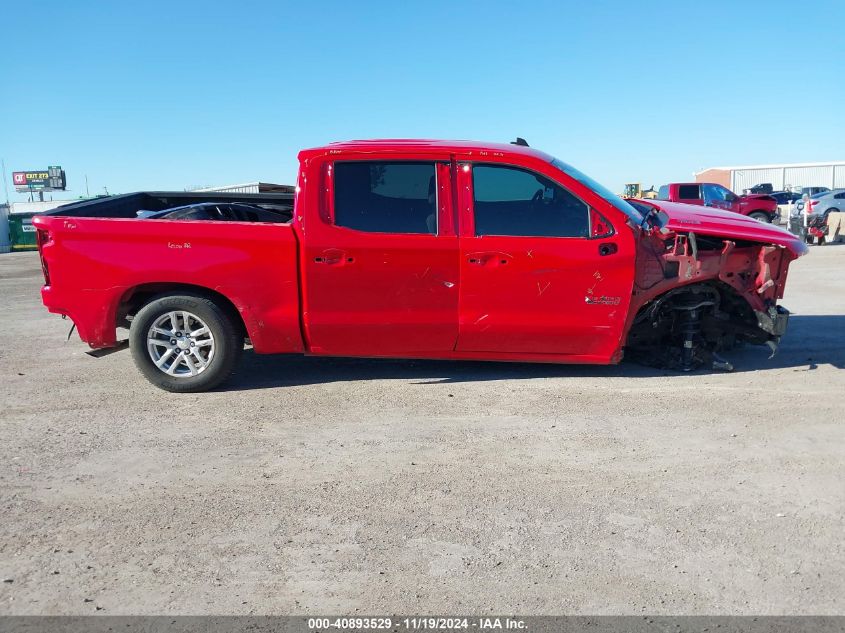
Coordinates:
386 197
514 201
689 192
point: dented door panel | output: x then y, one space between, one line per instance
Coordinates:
544 295
379 294
561 296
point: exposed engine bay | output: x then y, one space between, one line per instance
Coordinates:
697 296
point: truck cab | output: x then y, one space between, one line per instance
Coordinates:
760 207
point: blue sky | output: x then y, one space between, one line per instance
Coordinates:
169 95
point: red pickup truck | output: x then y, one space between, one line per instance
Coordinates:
413 248
760 207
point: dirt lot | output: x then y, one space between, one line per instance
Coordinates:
356 486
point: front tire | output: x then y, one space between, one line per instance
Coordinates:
760 216
184 342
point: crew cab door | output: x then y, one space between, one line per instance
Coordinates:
689 194
380 259
542 272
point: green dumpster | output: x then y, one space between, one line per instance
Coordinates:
22 232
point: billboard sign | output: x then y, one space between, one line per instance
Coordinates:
50 179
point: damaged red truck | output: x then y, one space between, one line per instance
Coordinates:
417 249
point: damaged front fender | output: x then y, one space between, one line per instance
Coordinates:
696 296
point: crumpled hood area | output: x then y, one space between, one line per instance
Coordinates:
708 221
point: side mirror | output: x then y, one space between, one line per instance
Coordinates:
658 220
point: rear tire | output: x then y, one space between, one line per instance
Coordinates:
185 342
760 216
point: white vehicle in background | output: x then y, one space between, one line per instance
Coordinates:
810 191
786 203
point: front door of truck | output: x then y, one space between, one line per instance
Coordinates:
542 272
719 197
381 260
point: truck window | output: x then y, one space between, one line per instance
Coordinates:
689 192
514 201
386 197
714 193
663 193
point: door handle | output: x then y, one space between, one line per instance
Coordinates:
488 259
608 248
333 257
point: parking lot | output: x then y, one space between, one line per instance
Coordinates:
312 485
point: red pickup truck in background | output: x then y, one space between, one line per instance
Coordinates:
410 248
760 207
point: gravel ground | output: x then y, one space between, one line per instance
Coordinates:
358 486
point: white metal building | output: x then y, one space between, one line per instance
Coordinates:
782 176
250 187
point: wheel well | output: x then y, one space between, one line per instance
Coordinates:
719 315
137 297
728 298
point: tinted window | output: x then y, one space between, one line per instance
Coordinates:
714 193
513 201
600 190
689 192
840 196
385 197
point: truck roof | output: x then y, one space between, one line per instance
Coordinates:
424 145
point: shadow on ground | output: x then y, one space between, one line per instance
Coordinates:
810 342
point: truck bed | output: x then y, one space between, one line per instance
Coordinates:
101 261
128 205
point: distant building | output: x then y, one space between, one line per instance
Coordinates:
38 206
782 176
250 187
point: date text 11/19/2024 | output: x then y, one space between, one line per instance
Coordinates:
416 623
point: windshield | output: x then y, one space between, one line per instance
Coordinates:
633 213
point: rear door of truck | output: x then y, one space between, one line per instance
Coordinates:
689 193
380 257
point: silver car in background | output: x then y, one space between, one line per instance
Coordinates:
819 207
822 203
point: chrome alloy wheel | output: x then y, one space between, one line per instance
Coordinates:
180 344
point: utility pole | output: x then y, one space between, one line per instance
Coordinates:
87 195
5 182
